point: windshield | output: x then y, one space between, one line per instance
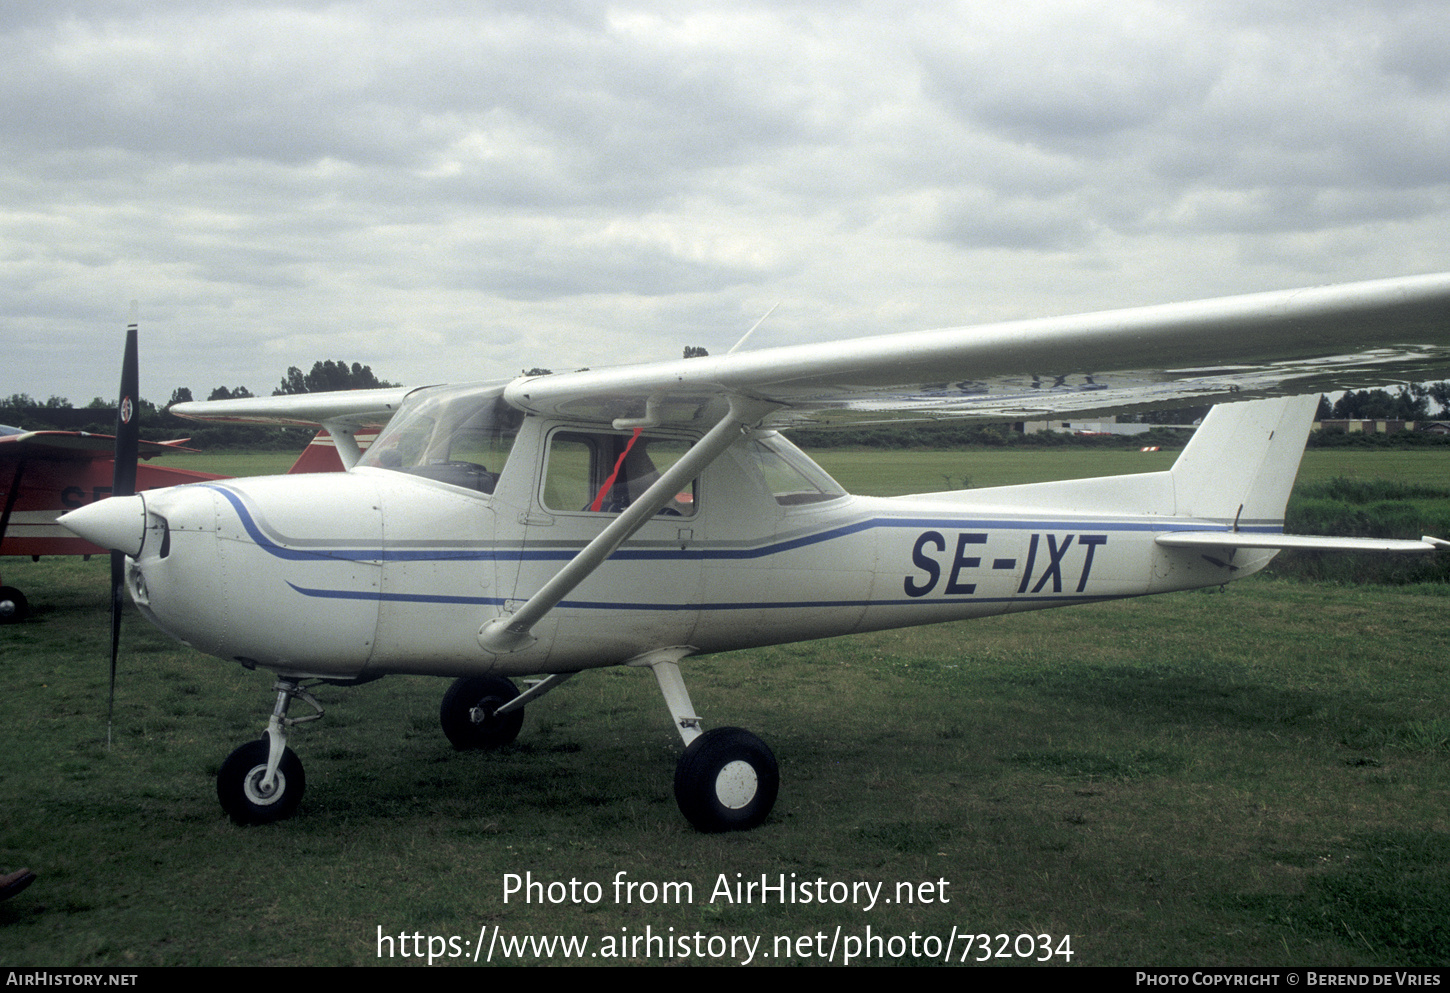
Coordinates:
454 434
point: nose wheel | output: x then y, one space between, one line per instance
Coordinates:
245 793
262 781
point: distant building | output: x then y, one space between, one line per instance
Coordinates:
1108 425
1369 427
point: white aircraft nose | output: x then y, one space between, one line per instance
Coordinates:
118 523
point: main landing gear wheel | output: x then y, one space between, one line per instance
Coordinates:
467 713
13 605
239 785
726 781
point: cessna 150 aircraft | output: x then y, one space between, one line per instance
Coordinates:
643 515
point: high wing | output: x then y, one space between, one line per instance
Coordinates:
1282 343
1350 336
350 407
343 413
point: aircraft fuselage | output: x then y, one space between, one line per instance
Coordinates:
384 572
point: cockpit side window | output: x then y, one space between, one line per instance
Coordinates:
606 472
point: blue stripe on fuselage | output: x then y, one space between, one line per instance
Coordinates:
470 554
493 601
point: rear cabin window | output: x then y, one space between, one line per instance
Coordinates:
605 472
789 474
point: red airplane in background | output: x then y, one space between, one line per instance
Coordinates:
44 474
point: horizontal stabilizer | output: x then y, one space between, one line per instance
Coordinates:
1305 542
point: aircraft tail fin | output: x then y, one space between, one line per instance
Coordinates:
320 455
1241 463
1238 469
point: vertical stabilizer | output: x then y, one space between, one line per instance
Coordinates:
1242 461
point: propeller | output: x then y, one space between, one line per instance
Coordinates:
123 483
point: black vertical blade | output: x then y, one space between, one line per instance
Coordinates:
118 585
123 483
128 426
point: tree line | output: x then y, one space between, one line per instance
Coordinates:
1411 403
99 416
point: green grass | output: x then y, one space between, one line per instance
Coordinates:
1251 776
879 472
232 462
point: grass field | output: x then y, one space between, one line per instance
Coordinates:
1250 776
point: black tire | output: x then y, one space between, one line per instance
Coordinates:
14 608
727 780
483 694
236 785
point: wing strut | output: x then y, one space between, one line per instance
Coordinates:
511 632
344 437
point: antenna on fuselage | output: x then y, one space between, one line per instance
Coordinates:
752 329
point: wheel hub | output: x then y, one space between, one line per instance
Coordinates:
736 784
483 710
255 791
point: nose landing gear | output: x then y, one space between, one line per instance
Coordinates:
262 781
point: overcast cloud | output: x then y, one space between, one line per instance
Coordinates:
454 191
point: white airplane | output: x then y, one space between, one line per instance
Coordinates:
645 515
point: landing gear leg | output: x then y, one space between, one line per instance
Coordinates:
728 779
262 781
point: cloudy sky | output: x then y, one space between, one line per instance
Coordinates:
452 191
